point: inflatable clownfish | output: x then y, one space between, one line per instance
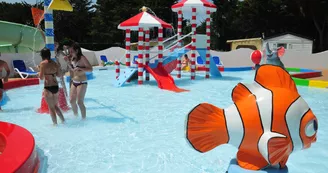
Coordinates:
267 122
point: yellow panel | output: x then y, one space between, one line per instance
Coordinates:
62 5
251 42
318 84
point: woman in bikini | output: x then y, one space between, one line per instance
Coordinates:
79 65
48 72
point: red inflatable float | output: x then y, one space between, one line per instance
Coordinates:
17 150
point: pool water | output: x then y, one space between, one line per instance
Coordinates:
141 129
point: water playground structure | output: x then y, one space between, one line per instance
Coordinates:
200 43
27 159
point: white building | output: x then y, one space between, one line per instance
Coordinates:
290 41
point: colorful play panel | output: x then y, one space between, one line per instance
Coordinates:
17 149
301 75
301 78
225 69
304 73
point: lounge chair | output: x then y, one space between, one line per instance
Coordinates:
217 61
103 58
20 68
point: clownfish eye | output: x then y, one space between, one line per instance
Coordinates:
311 128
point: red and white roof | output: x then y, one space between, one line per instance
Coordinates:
200 5
143 20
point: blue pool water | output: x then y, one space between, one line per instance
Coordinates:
140 129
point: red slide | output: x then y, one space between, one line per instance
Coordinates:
164 79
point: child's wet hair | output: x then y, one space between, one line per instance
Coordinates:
45 54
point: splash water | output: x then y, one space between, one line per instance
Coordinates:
33 51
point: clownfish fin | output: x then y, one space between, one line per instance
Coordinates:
273 147
251 161
206 127
283 162
240 92
271 76
279 148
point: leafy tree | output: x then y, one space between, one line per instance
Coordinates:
74 25
315 13
16 12
95 26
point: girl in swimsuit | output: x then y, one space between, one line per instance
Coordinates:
79 65
48 72
185 63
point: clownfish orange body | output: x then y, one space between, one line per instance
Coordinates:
267 122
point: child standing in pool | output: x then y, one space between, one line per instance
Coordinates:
185 63
48 72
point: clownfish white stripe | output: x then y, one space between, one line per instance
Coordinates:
234 125
264 102
293 117
263 143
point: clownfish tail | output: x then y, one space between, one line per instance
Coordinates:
206 127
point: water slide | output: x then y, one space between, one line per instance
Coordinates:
163 78
18 38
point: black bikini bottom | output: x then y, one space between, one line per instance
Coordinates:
52 89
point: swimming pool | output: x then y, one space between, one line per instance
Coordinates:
141 128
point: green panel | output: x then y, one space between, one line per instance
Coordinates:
301 82
293 69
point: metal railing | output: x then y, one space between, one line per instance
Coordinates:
177 41
179 49
166 40
173 44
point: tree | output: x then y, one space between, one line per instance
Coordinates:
16 12
75 25
316 12
223 25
